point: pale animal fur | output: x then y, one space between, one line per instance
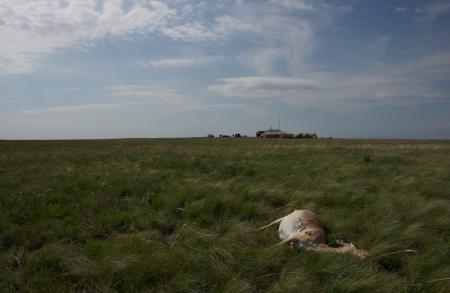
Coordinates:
303 230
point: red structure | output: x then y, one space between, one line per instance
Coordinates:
259 132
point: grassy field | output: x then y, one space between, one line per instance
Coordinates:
176 215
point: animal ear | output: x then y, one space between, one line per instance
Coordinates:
340 242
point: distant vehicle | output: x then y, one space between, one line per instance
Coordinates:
274 133
224 135
277 134
259 133
210 135
236 135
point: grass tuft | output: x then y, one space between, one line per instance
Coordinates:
179 215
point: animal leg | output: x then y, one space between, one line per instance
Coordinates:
343 249
287 240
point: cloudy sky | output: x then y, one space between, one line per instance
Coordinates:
140 68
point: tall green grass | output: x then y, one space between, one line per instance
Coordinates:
178 215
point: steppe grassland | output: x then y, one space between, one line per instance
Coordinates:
168 215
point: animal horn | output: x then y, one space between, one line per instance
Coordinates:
273 223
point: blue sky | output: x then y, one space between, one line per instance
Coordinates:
139 68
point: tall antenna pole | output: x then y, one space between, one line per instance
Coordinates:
279 121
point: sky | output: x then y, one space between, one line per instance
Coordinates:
73 69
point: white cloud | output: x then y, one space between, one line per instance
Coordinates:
190 32
434 67
293 4
220 29
143 91
29 29
263 60
73 108
166 99
180 62
261 87
433 10
155 98
401 84
346 8
226 25
282 41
